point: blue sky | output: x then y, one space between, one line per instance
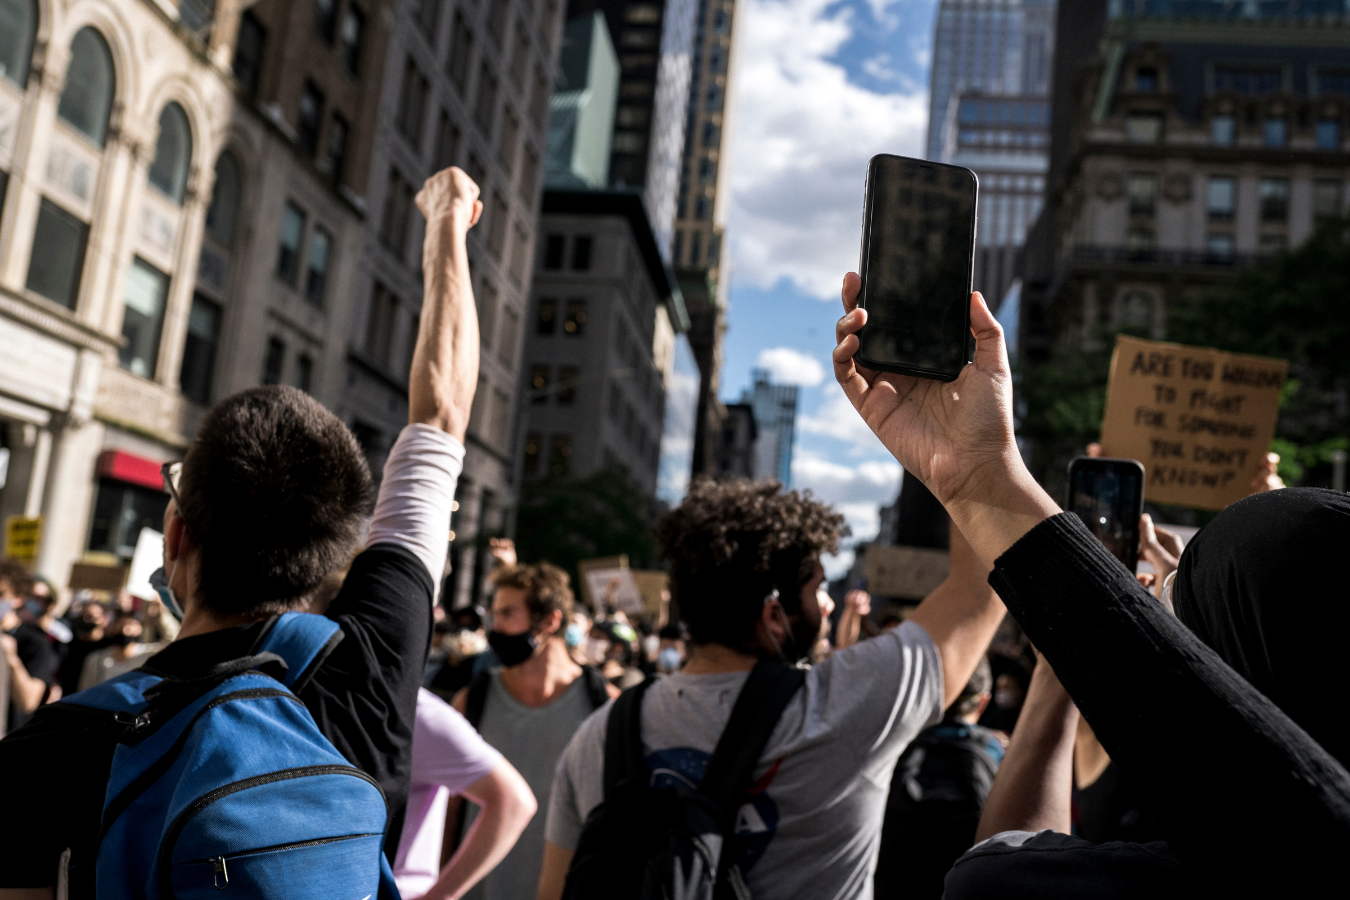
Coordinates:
820 86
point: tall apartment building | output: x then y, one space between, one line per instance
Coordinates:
466 83
655 42
989 112
181 194
775 408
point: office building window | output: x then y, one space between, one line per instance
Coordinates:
538 385
20 18
529 175
1275 132
496 22
575 323
1328 135
428 19
1222 130
173 153
1274 193
486 300
554 246
509 140
461 52
325 19
273 360
712 135
1142 191
534 443
715 247
707 169
304 372
412 103
520 55
1220 247
501 420
486 108
695 248
223 212
398 201
1222 198
316 276
121 510
1143 128
703 207
143 319
539 96
447 142
86 99
498 217
581 253
309 118
248 52
559 454
334 149
1247 80
199 350
288 248
677 248
1146 80
380 324
353 26
508 336
1139 240
58 255
1327 198
1272 244
547 320
567 385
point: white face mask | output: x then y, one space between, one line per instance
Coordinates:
651 645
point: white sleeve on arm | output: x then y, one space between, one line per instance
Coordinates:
416 496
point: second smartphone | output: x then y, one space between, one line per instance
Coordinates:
917 261
1108 495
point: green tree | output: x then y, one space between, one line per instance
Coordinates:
566 518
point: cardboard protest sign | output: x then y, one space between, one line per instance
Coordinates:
906 572
608 583
22 534
1200 420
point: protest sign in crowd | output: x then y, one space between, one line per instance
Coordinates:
290 711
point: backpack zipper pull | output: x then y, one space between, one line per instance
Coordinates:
136 723
220 878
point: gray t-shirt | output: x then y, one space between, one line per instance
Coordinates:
812 827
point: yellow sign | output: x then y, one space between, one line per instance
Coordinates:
1200 420
22 534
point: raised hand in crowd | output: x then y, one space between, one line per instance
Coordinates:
857 606
503 551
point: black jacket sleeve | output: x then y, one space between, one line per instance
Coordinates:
1216 761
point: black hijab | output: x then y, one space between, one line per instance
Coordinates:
1265 585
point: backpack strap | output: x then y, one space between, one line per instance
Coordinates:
623 740
597 688
767 692
303 640
477 699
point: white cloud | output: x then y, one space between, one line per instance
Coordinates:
802 137
788 366
836 418
856 491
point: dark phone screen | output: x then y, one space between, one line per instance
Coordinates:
916 264
1108 497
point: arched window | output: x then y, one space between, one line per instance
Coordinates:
173 153
223 212
18 24
87 98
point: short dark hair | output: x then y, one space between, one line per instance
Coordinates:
547 588
730 544
18 576
274 492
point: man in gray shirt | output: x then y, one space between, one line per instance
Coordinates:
745 572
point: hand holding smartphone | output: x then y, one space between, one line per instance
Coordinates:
1108 495
917 264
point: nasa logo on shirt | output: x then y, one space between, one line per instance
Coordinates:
756 820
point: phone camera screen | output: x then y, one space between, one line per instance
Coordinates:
1103 499
917 267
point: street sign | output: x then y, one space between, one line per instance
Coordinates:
22 534
1200 420
910 573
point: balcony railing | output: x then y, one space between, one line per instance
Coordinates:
1227 9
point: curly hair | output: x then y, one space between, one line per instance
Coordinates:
547 588
730 544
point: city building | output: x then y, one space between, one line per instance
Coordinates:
990 113
466 84
581 121
735 444
1188 138
701 211
655 43
775 409
181 196
600 345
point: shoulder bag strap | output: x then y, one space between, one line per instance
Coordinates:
477 699
623 739
596 686
767 692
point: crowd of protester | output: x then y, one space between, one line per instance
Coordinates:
754 739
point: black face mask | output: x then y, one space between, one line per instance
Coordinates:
512 649
123 640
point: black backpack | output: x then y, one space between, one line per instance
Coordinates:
478 692
676 843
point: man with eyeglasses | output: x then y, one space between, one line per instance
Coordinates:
271 498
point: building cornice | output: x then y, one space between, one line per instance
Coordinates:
55 321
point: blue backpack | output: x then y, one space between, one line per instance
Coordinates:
223 786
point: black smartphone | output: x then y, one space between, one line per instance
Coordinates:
1108 495
917 262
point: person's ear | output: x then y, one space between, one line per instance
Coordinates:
773 619
553 623
176 540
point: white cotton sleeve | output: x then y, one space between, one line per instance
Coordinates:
417 494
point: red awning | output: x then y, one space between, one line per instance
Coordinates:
133 469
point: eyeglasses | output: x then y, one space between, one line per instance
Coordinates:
172 472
